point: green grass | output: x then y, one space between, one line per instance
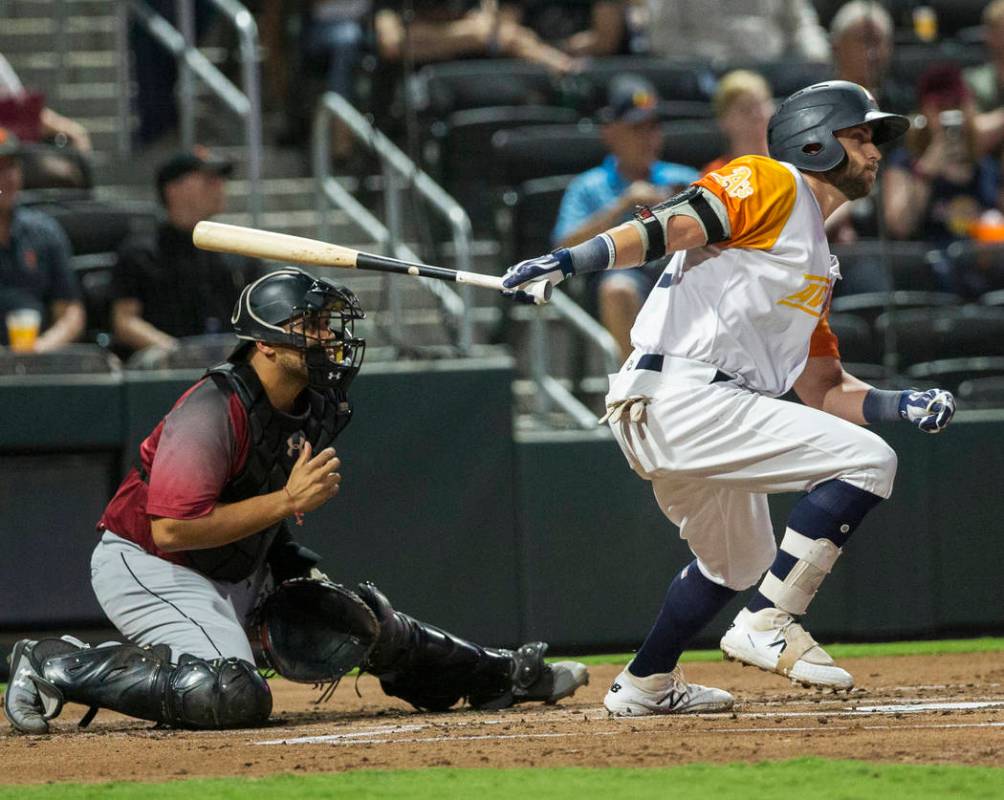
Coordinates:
925 648
805 778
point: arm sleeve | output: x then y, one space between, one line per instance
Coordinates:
758 194
195 456
824 341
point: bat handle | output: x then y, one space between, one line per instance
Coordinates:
539 291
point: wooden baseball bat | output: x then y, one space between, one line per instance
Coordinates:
224 238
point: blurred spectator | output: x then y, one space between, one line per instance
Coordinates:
442 30
165 287
631 175
743 106
737 31
985 80
35 269
156 71
578 27
938 187
861 34
26 114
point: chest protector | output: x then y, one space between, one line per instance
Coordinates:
275 439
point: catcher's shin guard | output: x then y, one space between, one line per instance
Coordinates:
430 668
140 682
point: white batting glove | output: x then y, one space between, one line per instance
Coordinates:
931 410
553 267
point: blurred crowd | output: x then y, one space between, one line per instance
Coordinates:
693 85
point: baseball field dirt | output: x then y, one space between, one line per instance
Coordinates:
946 709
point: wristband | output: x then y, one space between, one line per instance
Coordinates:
593 255
297 515
881 405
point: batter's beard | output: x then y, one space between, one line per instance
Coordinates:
851 186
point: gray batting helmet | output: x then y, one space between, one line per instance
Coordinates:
801 130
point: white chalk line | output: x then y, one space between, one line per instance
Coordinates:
386 734
336 740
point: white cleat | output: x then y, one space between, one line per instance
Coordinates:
665 693
771 640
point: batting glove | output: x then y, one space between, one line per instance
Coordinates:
553 267
931 411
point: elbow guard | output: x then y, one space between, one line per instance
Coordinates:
695 202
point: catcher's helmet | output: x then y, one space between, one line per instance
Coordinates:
267 306
801 130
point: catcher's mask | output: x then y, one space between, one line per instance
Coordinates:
293 309
801 130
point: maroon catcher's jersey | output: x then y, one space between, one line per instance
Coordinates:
189 457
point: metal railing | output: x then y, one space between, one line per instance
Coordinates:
192 64
399 173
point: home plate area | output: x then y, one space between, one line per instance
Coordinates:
914 709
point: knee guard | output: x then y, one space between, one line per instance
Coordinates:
429 667
139 682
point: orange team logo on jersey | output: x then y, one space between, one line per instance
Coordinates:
813 298
738 183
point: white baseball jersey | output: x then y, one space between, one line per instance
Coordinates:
752 309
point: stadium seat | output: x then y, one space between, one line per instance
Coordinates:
72 359
530 211
674 80
931 334
869 305
458 142
951 373
907 261
982 392
910 60
192 352
440 89
524 154
692 142
855 337
977 266
787 75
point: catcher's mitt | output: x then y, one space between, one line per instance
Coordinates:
313 631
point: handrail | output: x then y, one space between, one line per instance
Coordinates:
397 166
245 104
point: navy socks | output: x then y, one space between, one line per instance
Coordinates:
691 603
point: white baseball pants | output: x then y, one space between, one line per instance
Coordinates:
714 451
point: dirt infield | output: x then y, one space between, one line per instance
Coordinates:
918 709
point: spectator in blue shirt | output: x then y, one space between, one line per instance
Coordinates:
600 198
35 270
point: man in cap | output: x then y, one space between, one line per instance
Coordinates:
35 269
695 409
165 288
631 175
197 567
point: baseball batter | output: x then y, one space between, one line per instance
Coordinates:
195 538
738 318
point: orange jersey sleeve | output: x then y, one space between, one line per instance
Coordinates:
824 341
758 194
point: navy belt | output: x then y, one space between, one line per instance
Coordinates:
654 362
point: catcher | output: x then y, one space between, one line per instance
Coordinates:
197 569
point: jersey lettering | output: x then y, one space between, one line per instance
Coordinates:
737 183
811 298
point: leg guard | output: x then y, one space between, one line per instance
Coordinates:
430 668
141 683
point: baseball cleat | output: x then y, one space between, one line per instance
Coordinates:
30 701
772 640
665 693
536 680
